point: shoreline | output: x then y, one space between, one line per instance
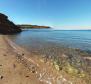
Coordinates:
42 73
12 70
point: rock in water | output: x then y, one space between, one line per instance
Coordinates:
6 26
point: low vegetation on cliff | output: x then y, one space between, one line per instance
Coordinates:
27 26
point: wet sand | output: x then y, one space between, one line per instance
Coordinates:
18 66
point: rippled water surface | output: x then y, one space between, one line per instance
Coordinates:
38 39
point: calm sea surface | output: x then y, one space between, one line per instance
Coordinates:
39 39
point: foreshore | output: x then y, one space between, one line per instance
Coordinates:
12 71
18 66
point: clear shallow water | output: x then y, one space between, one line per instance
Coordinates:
37 39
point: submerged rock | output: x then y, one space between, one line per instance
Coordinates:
6 26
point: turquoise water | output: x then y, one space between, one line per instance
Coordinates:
39 39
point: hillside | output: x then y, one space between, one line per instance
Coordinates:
7 26
27 26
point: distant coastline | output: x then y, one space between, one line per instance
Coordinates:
28 26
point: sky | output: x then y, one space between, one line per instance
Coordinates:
61 14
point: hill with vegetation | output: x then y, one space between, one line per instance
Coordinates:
28 26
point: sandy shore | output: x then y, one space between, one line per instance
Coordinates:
11 70
18 66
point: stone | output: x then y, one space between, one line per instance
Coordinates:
1 77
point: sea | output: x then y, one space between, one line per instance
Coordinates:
51 40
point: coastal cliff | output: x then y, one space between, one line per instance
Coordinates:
6 26
28 26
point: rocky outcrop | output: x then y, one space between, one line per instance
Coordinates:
6 26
